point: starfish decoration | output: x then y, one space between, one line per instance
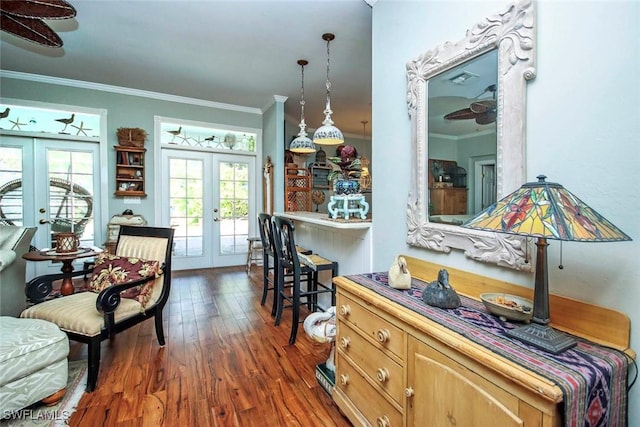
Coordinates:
197 140
184 138
17 124
81 129
24 19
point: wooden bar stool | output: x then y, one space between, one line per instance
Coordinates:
289 260
254 252
318 264
270 261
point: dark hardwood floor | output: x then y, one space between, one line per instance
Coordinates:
224 363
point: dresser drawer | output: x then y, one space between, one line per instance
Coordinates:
370 403
382 332
380 368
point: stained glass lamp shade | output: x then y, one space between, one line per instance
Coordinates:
545 210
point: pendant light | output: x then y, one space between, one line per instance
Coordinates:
328 134
302 144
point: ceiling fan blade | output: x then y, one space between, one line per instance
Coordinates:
463 114
480 107
41 9
485 119
33 30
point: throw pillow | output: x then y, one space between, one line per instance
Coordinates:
112 270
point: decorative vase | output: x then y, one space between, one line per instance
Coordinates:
346 186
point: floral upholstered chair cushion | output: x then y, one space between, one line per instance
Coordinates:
113 270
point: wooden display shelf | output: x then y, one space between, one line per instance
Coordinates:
130 171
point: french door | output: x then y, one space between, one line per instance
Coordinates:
52 184
209 199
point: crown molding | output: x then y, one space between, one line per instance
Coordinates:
276 98
126 91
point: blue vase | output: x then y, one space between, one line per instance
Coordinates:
346 186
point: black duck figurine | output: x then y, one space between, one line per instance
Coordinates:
440 293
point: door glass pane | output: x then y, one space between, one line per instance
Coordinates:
70 193
186 184
11 206
234 207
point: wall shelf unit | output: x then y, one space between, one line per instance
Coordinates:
130 171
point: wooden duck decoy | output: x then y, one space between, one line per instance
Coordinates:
399 276
440 293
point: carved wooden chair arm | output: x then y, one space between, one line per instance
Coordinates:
109 298
39 288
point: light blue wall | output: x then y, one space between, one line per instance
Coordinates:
583 123
274 146
127 111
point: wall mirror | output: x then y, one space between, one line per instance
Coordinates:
475 155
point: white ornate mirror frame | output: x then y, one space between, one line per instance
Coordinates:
512 33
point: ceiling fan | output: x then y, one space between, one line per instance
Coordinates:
24 18
483 111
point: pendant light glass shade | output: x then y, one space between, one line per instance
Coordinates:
328 134
302 144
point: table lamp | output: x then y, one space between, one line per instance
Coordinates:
545 210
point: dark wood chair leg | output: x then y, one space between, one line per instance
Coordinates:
276 296
295 308
159 327
93 365
334 273
265 279
279 297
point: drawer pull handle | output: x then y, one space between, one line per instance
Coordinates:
383 421
382 374
345 310
408 392
345 342
344 379
383 335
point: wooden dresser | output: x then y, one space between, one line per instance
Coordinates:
448 201
395 367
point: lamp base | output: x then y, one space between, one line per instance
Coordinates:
543 337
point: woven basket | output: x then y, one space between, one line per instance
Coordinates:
131 137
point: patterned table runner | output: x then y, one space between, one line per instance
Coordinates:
593 378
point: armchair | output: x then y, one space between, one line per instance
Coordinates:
14 241
92 317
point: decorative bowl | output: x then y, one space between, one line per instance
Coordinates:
508 307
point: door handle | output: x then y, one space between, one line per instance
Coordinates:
43 221
216 219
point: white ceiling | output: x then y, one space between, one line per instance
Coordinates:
234 52
446 97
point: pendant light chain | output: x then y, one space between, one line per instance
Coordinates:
328 84
302 144
302 95
328 134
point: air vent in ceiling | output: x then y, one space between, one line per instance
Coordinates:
463 78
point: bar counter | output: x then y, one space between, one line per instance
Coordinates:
347 242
